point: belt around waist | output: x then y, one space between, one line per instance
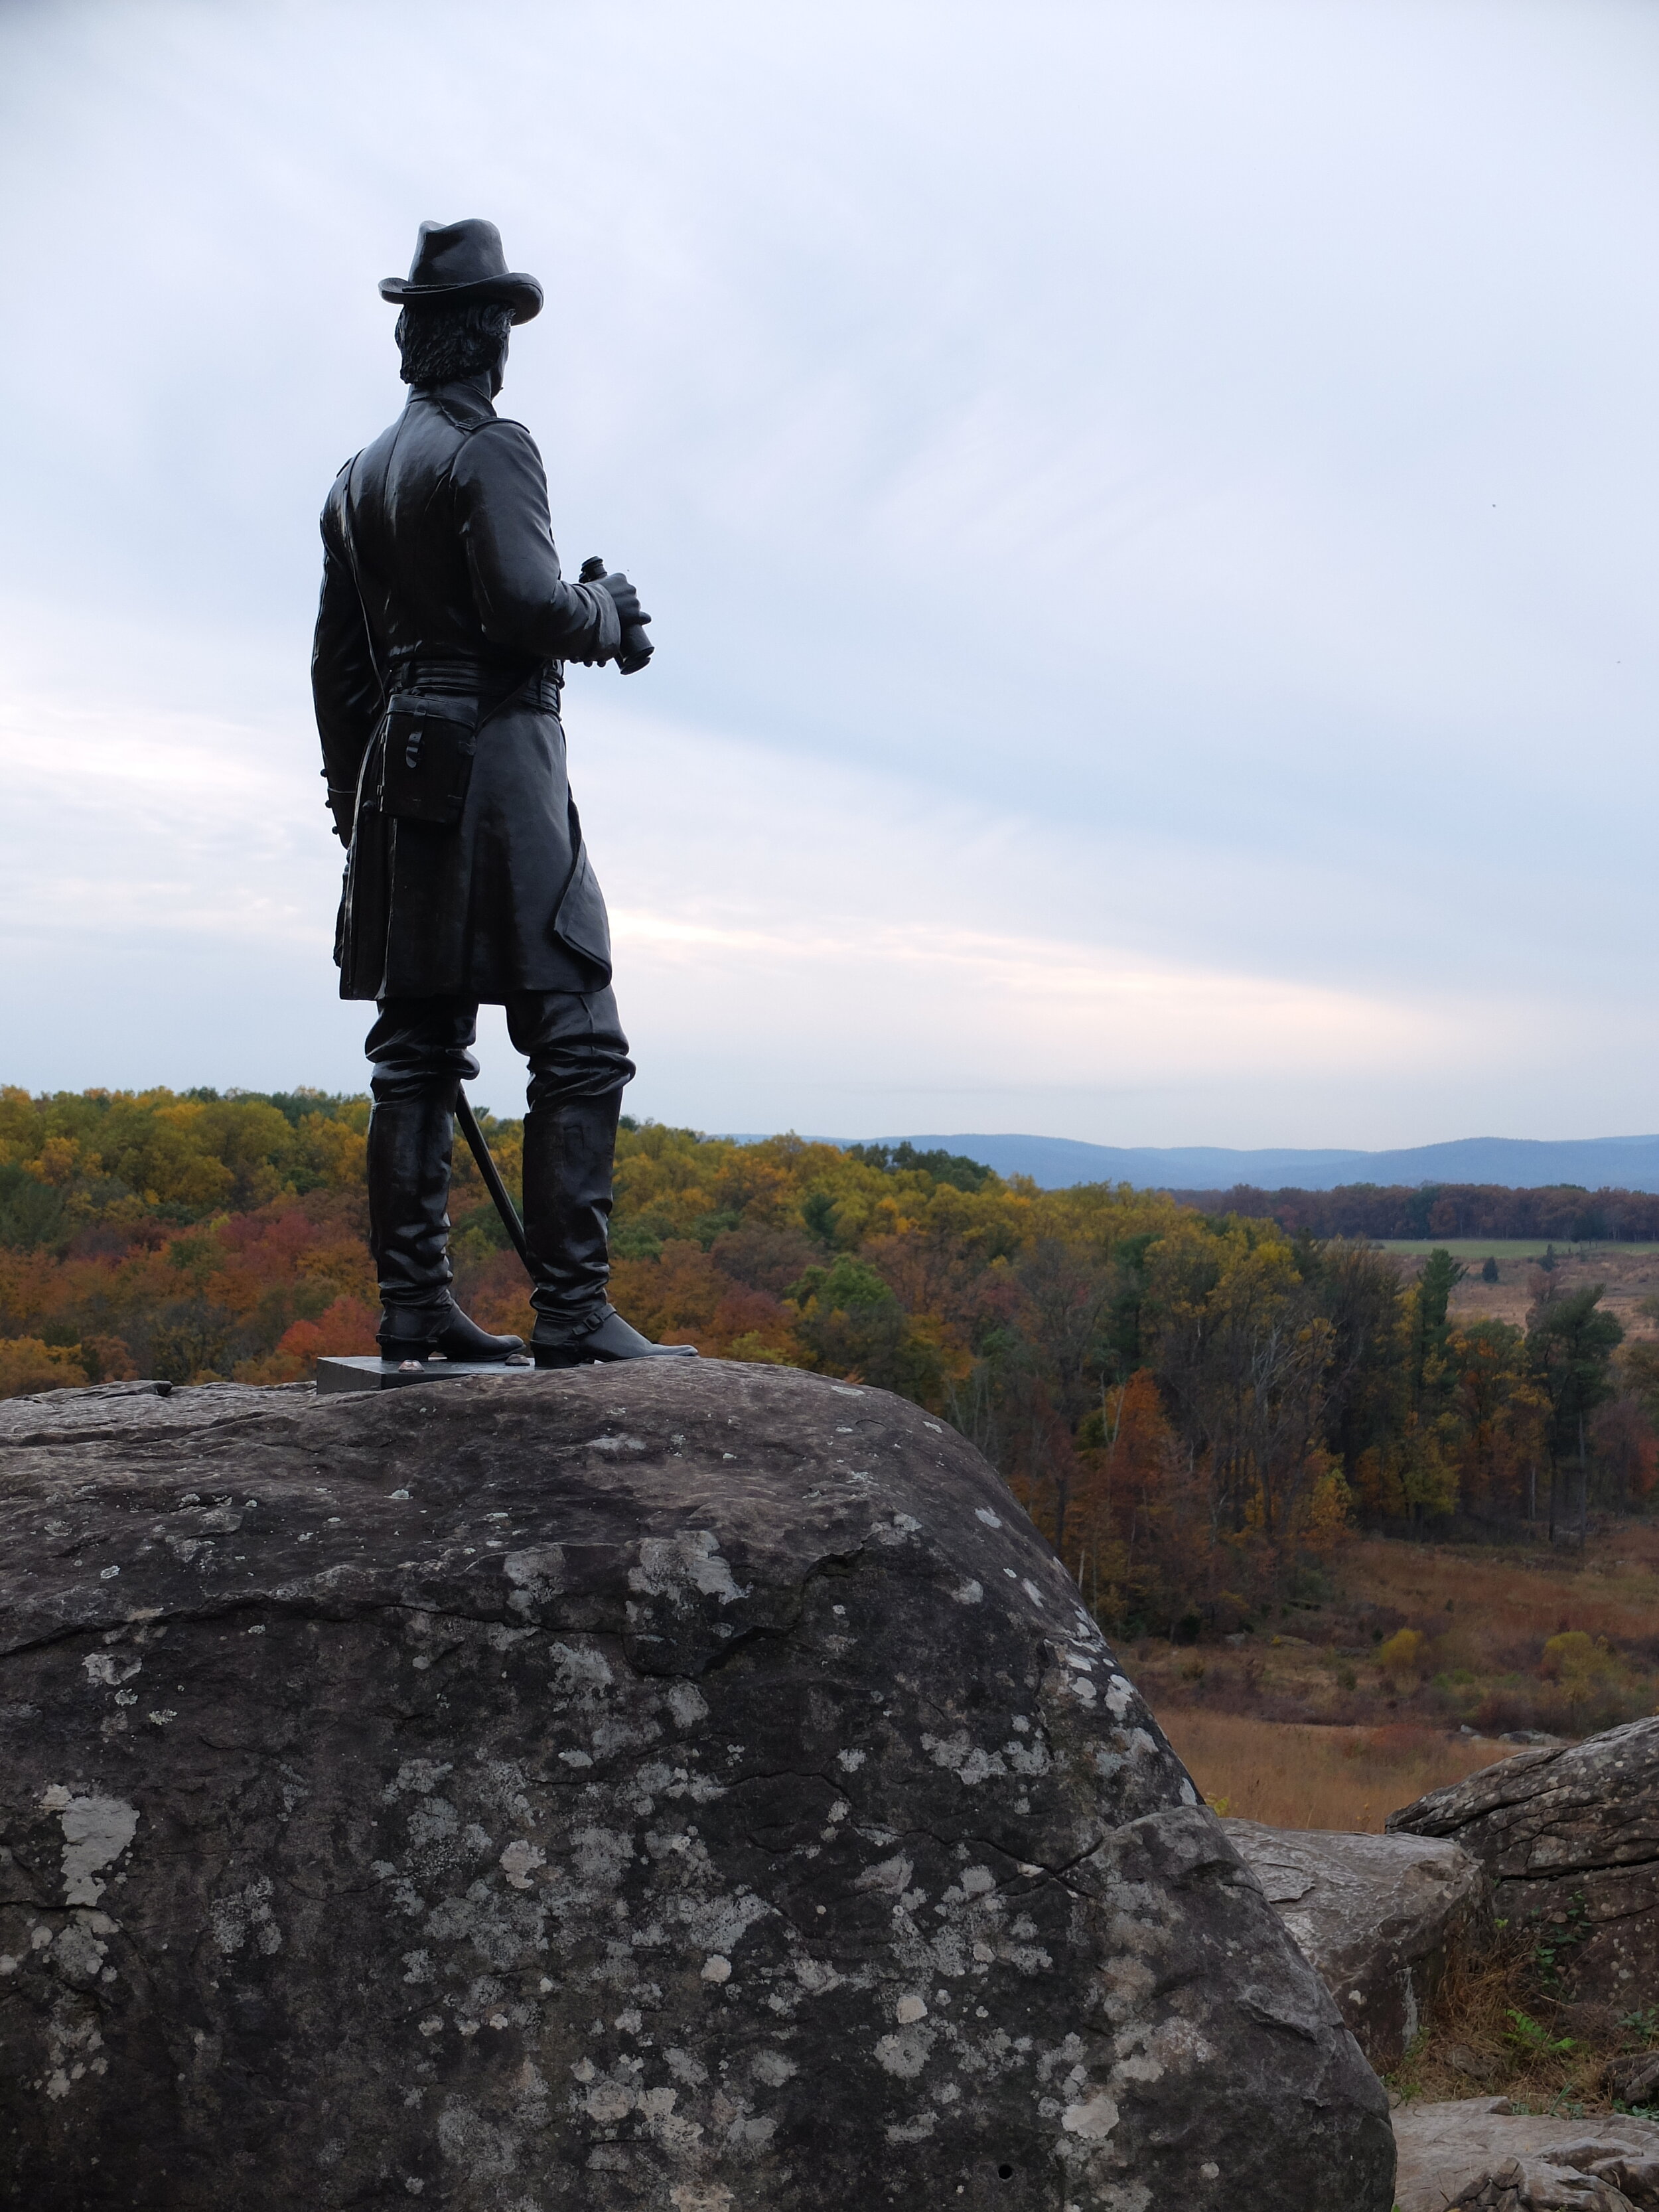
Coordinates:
469 679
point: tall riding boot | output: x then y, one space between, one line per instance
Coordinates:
570 1151
409 1143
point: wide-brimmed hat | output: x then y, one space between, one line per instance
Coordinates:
464 261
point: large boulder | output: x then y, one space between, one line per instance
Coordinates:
1380 1917
1570 1838
694 1788
1475 2156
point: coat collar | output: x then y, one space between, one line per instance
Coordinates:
465 402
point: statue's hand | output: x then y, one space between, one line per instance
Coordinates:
628 608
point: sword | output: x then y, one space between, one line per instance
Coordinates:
492 1177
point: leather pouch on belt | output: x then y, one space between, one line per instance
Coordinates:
426 762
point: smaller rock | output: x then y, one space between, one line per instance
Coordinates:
1633 2081
1499 2192
1379 1923
1464 2059
1475 2156
1569 1837
1629 2172
1636 2174
1535 1738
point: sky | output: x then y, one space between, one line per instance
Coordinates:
1149 509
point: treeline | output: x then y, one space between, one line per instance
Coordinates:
1565 1211
1196 1406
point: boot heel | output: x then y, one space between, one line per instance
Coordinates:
561 1355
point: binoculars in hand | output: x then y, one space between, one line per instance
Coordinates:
635 648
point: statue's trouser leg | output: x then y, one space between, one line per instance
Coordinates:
579 1063
420 1051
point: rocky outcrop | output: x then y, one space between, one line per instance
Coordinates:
686 1790
1477 2156
1632 2079
1571 1839
1379 1917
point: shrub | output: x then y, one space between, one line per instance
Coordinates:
1403 1654
107 1360
27 1365
1573 1655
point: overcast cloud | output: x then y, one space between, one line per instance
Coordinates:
1149 509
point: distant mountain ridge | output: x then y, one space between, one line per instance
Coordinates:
1515 1162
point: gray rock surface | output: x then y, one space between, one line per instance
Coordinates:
1476 2154
1571 1839
1634 2080
1379 1917
688 1789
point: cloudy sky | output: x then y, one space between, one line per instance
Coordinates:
1151 513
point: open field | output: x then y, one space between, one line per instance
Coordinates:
1630 1273
1315 1778
1430 1637
1509 1248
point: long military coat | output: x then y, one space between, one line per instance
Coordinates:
440 572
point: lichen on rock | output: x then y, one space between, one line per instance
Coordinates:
1569 1837
681 1788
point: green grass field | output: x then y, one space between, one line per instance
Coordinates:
1503 1247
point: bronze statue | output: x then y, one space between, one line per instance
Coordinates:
441 638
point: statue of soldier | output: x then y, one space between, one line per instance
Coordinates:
441 638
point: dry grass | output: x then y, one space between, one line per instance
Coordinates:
1318 1778
1495 2032
1630 1274
1482 1620
1499 1605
